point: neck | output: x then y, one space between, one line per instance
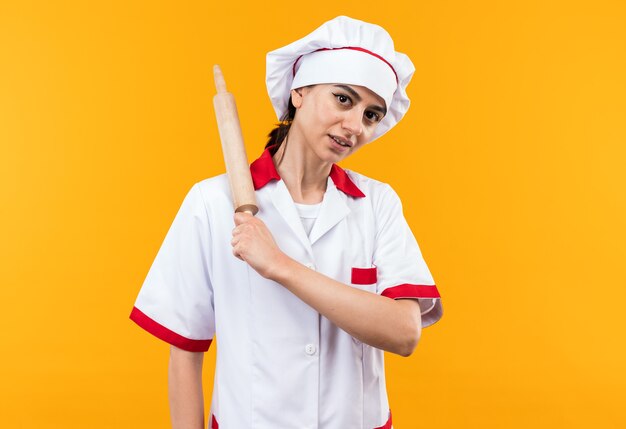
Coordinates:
303 172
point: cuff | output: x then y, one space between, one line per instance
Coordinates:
427 296
411 291
167 335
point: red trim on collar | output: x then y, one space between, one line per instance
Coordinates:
263 171
344 183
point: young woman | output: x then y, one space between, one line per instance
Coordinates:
307 295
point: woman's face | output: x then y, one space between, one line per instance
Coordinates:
335 120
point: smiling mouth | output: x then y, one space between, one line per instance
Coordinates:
340 142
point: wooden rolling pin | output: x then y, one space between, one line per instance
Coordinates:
233 149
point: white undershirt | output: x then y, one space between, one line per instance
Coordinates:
308 213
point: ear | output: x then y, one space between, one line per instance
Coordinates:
296 97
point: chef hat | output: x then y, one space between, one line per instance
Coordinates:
343 50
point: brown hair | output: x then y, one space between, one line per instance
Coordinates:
278 134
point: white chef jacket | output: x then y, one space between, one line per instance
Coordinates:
280 364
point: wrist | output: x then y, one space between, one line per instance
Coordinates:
280 268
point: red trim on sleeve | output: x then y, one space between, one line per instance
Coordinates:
364 276
411 291
386 425
171 337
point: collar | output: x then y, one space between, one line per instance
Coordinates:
263 171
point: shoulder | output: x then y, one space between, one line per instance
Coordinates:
209 196
381 200
376 192
214 184
215 189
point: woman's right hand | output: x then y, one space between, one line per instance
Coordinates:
253 242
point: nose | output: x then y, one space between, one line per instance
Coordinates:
352 122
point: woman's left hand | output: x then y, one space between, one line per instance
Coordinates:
253 242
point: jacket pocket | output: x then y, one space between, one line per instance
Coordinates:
364 276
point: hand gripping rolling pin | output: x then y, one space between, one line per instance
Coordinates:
232 146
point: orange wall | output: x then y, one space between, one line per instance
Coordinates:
510 164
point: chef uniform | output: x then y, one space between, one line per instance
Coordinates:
280 363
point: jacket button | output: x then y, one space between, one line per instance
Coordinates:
310 349
311 266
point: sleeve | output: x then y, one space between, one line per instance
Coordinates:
401 269
175 302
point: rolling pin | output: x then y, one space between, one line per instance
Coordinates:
233 149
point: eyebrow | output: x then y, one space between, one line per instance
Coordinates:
356 95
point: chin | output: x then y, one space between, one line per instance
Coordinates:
334 157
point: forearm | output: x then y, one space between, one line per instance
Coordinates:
387 324
185 389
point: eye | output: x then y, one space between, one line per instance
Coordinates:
372 116
343 99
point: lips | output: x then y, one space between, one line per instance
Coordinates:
341 141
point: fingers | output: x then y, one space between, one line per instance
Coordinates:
237 238
242 217
238 231
234 242
243 222
251 240
237 255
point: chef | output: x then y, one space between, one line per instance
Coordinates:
307 295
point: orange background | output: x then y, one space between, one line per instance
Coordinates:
510 164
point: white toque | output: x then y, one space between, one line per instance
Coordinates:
348 51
